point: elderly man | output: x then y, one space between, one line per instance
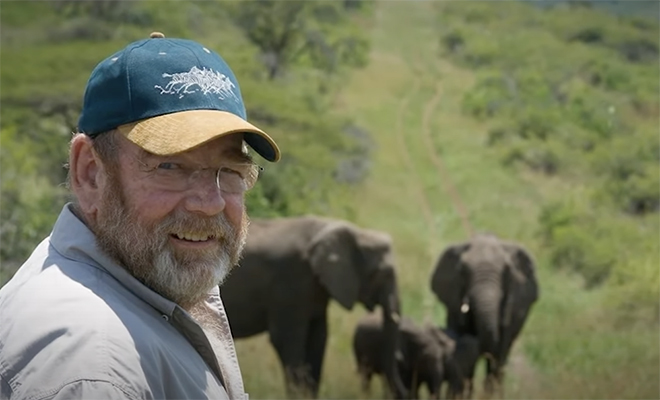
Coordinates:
121 300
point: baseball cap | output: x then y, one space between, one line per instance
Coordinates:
168 95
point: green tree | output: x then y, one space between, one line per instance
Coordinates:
318 33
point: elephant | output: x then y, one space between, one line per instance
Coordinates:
290 269
426 357
488 286
465 356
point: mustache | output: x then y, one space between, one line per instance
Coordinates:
216 226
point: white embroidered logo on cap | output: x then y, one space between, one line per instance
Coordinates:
204 80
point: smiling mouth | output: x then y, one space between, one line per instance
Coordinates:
193 237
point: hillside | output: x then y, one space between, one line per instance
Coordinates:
435 178
537 124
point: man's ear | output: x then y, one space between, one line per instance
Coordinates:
87 175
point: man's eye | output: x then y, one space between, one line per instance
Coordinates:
231 171
168 166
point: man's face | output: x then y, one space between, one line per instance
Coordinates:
179 239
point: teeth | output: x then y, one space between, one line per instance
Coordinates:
193 237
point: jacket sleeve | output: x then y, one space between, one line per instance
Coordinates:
91 389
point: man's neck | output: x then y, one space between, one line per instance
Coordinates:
75 210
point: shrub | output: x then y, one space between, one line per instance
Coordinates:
453 41
576 242
639 193
628 166
639 50
589 35
487 98
30 203
536 155
579 250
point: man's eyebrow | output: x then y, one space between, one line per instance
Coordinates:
143 155
235 156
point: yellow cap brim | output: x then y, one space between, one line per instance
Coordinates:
181 131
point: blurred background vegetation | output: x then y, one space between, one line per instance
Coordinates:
544 114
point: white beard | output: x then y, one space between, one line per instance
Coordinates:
168 272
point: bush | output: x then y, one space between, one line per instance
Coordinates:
605 74
576 243
639 193
453 41
578 250
639 50
581 236
488 97
629 170
634 291
535 155
30 203
589 35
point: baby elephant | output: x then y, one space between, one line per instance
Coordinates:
465 357
462 354
425 355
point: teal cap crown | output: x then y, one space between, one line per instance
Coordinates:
158 76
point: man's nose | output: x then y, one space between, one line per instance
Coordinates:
204 195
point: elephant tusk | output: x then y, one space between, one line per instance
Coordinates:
465 307
396 317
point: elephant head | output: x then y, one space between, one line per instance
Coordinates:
356 264
487 286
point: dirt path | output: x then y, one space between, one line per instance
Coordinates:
405 155
443 174
518 366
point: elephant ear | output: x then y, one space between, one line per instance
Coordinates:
334 256
524 275
446 278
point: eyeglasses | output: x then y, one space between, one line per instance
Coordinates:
233 178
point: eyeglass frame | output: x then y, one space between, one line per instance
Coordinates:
192 176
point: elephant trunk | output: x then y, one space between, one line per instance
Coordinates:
391 308
485 303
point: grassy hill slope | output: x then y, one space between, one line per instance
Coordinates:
432 181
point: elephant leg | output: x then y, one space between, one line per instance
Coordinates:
434 385
315 351
470 388
494 378
365 381
421 377
414 391
455 388
434 391
385 388
492 382
500 382
289 337
509 335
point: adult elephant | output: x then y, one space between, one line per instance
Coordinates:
488 287
290 269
